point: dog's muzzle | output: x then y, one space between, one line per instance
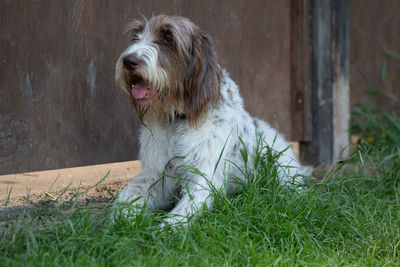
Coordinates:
140 88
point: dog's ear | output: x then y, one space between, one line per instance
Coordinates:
202 79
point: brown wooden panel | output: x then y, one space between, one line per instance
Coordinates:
59 103
300 53
59 106
374 30
252 42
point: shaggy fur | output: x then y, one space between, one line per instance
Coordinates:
191 111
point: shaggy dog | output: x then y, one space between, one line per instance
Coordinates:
194 123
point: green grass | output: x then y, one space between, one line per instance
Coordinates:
350 217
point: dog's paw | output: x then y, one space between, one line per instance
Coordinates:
122 211
174 222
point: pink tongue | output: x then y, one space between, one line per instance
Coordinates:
139 91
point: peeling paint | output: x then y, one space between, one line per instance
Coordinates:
92 74
341 118
25 86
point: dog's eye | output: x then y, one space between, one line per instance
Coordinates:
135 38
167 40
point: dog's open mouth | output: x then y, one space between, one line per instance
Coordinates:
140 88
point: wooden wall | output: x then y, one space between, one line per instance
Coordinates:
374 30
59 106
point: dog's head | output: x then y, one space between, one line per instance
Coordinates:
170 69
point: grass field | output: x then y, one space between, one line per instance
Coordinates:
349 217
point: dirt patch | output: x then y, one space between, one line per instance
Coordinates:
27 192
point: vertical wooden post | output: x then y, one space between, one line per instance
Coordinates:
341 72
300 62
329 82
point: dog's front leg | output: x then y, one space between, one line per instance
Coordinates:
190 204
147 190
197 192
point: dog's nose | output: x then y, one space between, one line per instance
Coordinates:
131 62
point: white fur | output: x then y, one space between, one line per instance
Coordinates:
171 145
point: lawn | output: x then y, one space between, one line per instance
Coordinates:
349 216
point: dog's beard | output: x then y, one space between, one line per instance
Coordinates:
162 107
143 95
146 110
165 101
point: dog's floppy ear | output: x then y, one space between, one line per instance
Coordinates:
202 79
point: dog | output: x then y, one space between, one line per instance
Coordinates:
194 125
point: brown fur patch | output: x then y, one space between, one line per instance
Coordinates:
203 78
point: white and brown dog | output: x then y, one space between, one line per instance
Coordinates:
194 123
